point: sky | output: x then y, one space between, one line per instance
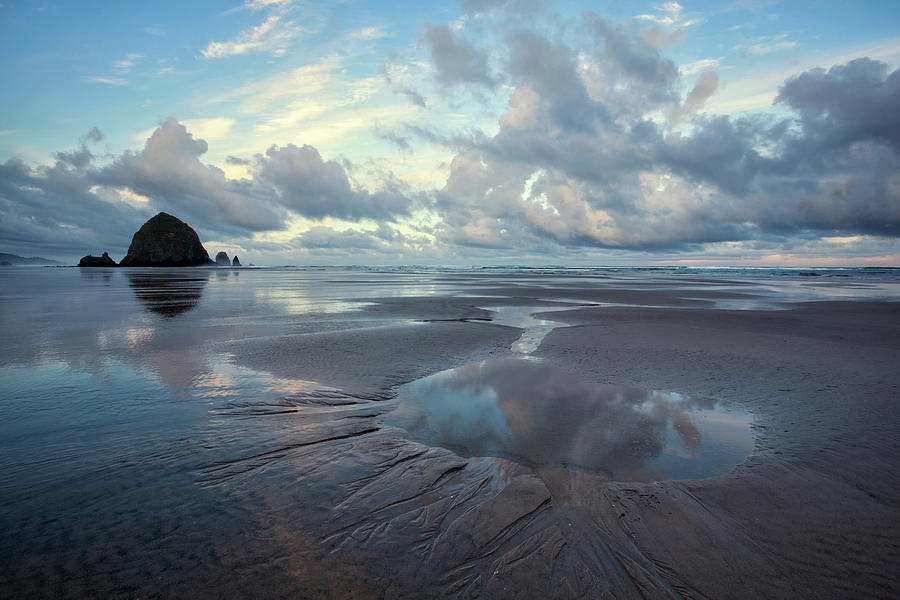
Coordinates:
483 132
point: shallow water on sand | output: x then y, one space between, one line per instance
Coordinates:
529 412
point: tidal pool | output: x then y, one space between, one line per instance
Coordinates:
532 413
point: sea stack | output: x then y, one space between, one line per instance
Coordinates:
222 259
235 262
97 261
165 241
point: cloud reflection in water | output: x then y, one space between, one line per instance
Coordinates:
535 414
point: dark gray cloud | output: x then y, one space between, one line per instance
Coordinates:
325 237
721 151
384 242
52 210
455 59
479 6
846 104
633 62
315 188
551 70
81 158
514 6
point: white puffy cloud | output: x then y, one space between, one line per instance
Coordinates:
169 170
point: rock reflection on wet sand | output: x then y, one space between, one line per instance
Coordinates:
169 294
530 412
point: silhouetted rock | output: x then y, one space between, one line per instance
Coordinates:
165 241
6 263
222 259
97 261
235 262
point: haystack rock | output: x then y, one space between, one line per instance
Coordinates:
222 259
235 262
165 241
97 261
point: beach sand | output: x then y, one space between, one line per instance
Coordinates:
814 512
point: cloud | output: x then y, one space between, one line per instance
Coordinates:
106 80
581 160
346 245
210 129
698 66
368 33
76 205
846 104
285 180
52 209
551 71
604 144
480 6
325 237
668 14
308 80
124 66
273 34
315 188
401 81
767 45
403 143
260 4
456 60
168 169
214 128
660 38
81 158
704 88
670 27
119 67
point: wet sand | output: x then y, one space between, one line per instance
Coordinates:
315 494
814 512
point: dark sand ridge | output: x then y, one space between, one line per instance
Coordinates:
815 512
